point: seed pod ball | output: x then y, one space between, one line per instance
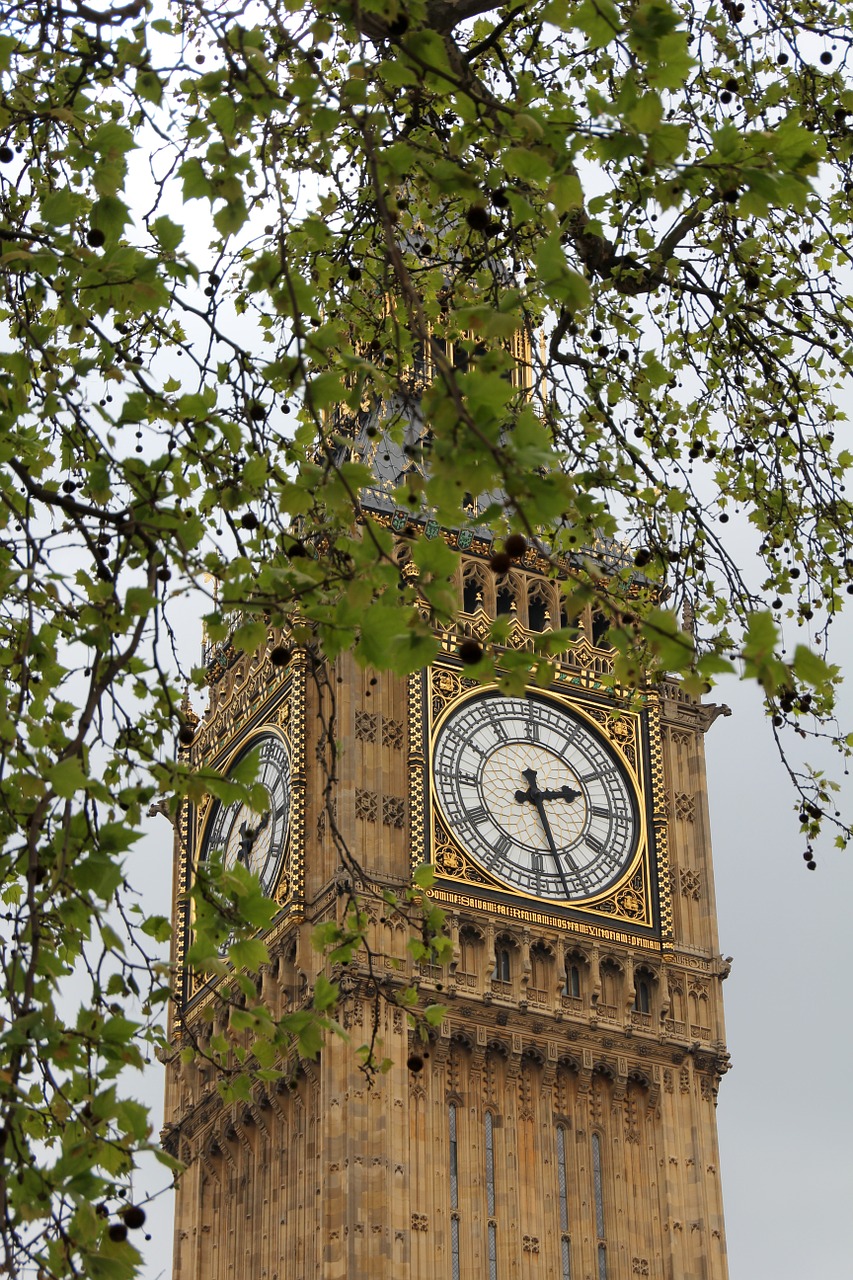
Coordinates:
515 545
470 652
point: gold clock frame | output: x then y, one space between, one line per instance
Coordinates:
638 906
281 713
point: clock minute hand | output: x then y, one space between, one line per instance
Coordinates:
536 797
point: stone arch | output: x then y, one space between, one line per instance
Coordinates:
698 1004
462 1039
477 587
599 625
541 972
640 1078
576 968
677 1005
611 977
542 606
507 958
509 595
532 1054
645 991
471 951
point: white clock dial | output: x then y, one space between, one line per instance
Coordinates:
535 795
257 839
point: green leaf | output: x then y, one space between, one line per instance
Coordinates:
598 19
250 953
325 993
148 86
167 233
67 777
434 1014
558 281
310 1040
197 185
812 668
762 636
62 207
424 876
98 874
672 646
676 500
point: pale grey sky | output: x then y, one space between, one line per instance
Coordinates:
785 1113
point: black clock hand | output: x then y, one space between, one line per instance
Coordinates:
564 793
536 797
248 836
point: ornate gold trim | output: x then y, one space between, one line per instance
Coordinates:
631 901
296 852
417 767
660 822
282 713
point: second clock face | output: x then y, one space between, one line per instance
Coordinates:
257 839
535 795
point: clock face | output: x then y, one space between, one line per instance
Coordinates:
535 795
257 839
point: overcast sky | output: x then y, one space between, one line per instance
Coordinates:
785 1113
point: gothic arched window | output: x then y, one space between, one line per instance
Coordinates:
454 1164
611 981
503 965
563 1192
454 1192
490 1195
642 994
539 604
599 627
540 968
573 979
473 588
505 597
469 950
598 1190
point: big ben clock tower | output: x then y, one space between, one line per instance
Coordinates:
561 1122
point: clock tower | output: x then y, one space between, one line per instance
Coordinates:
560 1122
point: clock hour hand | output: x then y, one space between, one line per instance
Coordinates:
537 798
563 793
248 836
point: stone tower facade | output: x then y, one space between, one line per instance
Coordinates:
560 1122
